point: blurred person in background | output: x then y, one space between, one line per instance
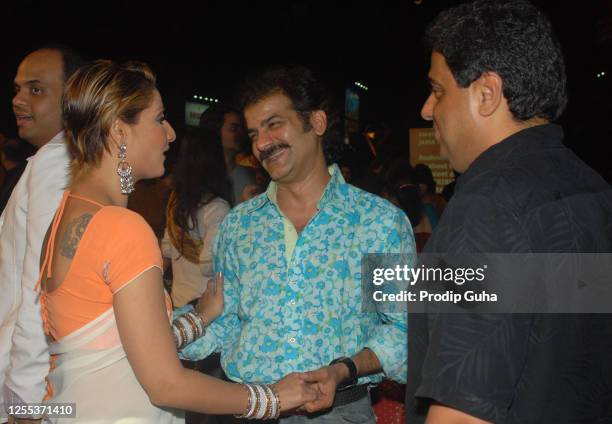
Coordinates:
240 166
401 188
433 203
449 189
198 203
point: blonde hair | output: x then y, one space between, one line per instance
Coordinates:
97 94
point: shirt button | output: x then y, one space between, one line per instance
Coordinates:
292 340
292 302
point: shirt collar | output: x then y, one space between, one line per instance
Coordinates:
57 139
335 189
518 144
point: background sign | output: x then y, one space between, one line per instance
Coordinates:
425 149
193 111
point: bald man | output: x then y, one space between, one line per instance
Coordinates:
24 357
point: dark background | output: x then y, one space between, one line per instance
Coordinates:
205 48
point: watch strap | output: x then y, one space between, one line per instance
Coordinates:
352 379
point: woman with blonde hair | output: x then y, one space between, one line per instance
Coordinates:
114 352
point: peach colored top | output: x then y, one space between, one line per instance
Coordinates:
116 247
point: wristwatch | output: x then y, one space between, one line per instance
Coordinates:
352 379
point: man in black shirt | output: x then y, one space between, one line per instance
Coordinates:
497 82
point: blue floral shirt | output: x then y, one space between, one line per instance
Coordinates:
283 315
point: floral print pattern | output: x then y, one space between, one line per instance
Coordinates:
283 316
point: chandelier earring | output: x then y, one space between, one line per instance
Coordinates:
124 170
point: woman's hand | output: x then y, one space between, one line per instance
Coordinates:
293 391
210 304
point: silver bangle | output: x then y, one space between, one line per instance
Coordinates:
274 410
263 396
188 329
252 396
250 403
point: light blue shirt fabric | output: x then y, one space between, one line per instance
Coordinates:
283 316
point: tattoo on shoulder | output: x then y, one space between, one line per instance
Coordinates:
74 232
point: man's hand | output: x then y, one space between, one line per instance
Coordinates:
325 379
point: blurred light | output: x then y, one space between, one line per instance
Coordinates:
206 99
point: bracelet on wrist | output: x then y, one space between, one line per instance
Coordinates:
187 328
263 403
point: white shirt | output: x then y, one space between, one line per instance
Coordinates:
24 356
189 279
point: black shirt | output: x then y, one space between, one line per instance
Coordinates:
527 193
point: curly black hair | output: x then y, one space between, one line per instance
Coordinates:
306 93
515 40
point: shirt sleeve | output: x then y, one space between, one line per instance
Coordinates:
470 362
226 328
128 245
389 339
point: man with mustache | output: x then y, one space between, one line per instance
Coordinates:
24 357
291 260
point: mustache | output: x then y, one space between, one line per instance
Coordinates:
271 150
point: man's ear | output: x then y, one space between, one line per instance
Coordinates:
318 121
489 93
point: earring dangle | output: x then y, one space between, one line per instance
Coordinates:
124 170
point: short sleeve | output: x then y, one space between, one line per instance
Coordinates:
127 245
474 362
470 362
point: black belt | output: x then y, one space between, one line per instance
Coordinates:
350 395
